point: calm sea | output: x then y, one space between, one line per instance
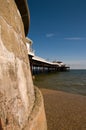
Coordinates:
73 81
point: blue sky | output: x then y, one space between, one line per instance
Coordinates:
58 30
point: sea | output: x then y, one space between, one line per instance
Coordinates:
72 81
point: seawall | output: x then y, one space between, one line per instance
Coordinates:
19 109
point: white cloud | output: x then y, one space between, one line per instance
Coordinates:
50 35
74 38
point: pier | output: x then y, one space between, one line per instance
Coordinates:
40 65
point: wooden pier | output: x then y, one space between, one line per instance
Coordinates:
40 65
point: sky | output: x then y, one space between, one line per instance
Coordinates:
58 30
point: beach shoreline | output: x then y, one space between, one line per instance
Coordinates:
64 111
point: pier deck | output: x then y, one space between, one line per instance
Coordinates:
41 65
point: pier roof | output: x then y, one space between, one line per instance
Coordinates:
36 58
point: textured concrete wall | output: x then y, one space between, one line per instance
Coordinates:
37 119
21 107
16 87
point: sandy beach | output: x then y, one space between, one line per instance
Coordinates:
64 111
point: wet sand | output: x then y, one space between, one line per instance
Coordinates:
64 111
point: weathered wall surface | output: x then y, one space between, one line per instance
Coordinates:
37 119
16 87
21 107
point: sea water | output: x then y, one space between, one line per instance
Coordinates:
73 81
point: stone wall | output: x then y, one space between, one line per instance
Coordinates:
20 107
16 86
